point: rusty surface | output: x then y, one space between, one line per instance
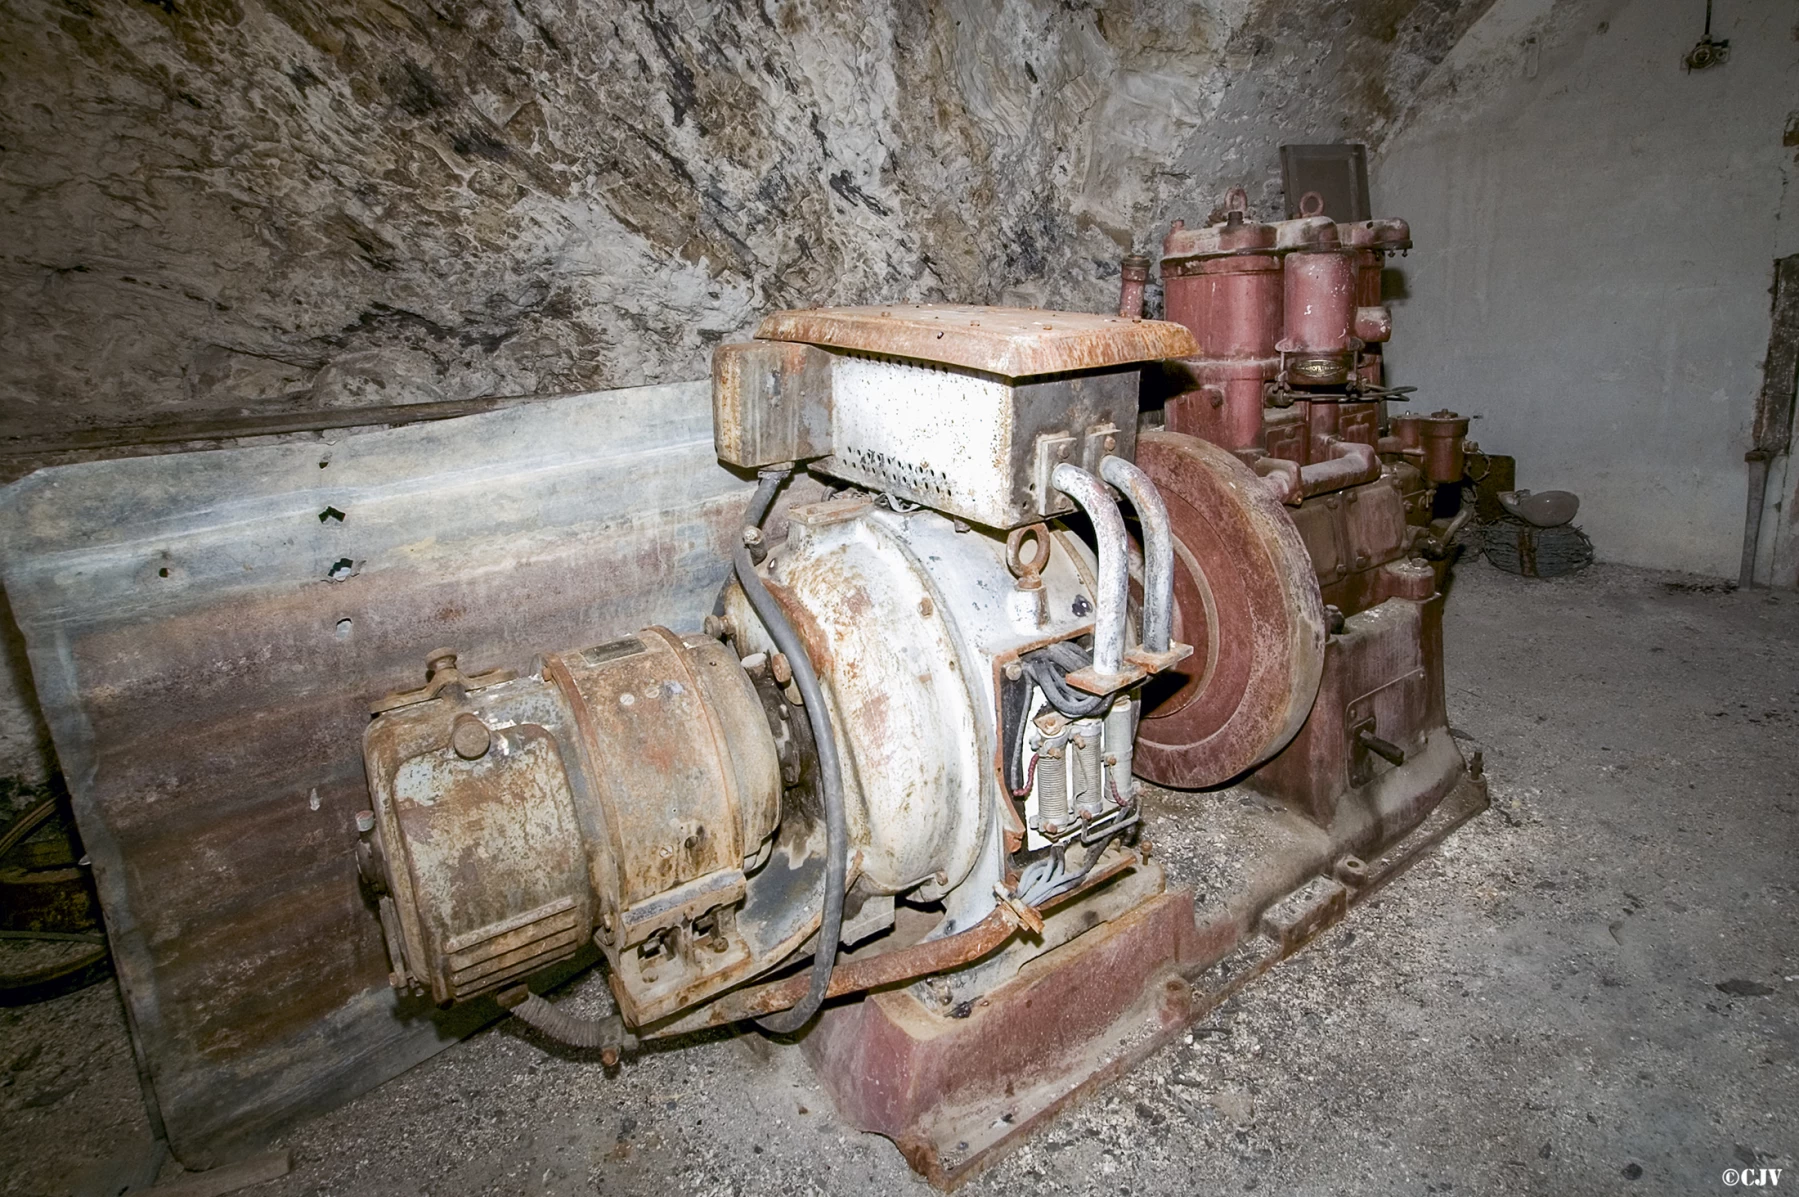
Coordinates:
1772 431
1443 435
1290 305
1384 671
922 959
19 455
771 402
871 972
949 1091
1318 342
624 789
489 878
206 683
956 1094
970 444
1246 598
1133 276
1351 535
1009 342
1223 283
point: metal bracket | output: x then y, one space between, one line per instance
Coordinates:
1154 663
440 673
1140 663
1093 681
1100 441
1053 449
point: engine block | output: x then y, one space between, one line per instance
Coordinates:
899 763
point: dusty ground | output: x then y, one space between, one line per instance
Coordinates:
1594 988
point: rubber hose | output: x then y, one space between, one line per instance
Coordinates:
830 770
571 1028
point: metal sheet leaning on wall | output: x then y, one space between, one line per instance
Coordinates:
206 630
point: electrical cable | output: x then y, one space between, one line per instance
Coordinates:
830 770
1050 666
768 482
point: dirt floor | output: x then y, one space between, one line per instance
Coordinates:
1592 988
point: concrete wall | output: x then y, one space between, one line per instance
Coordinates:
1596 235
215 206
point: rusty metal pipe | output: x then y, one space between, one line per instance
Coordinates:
1114 588
830 770
1133 278
1351 464
920 960
1158 549
923 959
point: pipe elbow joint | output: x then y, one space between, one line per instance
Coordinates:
1113 596
1158 549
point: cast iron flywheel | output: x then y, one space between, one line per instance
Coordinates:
1247 599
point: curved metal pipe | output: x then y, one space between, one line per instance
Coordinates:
1350 464
1158 549
1114 563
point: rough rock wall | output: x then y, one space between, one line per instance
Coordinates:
222 205
217 204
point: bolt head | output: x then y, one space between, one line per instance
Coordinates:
470 737
365 821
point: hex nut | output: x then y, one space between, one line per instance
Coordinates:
781 667
470 737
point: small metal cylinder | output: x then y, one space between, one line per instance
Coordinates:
1443 433
1085 743
1133 277
1319 313
1121 730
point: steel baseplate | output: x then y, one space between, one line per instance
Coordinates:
1254 883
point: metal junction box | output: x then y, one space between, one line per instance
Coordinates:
963 409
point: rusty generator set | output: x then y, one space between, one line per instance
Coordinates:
888 796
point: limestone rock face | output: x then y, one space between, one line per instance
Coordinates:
223 205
